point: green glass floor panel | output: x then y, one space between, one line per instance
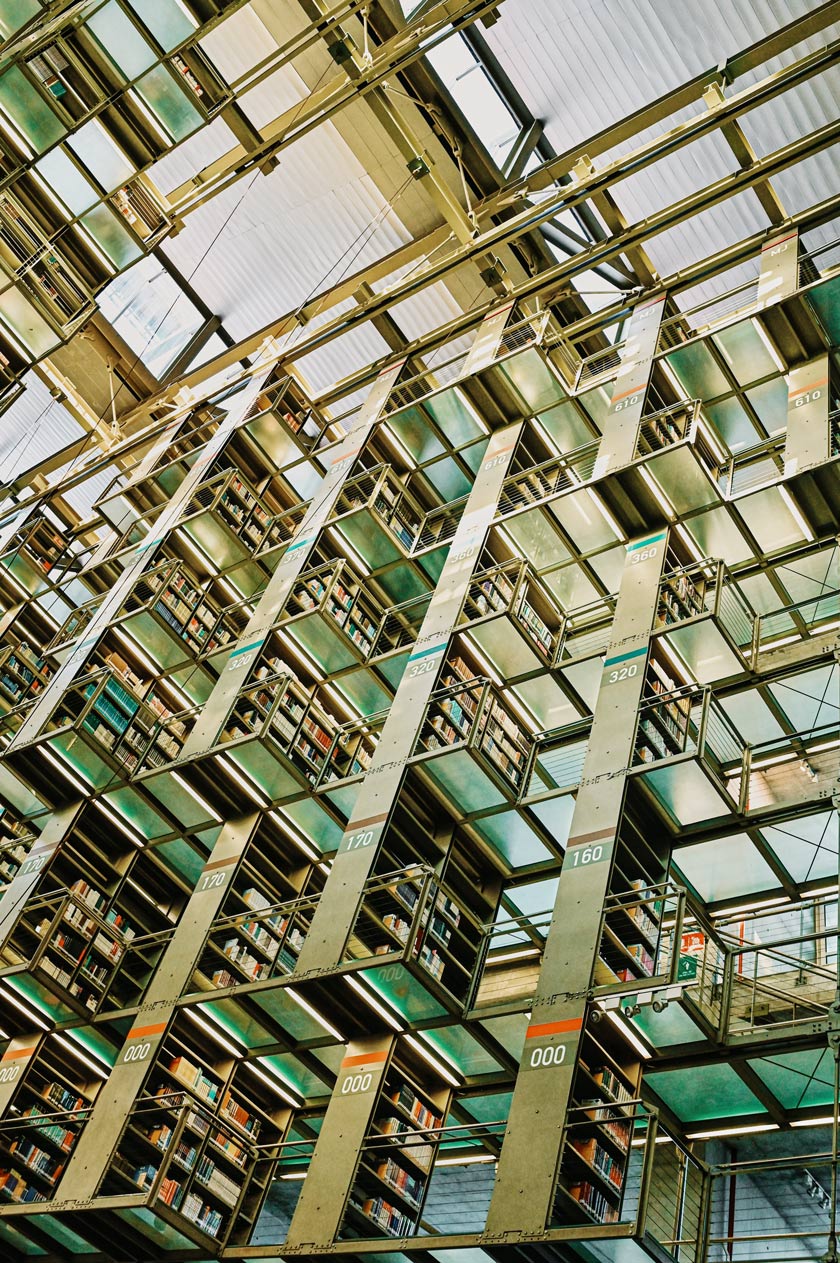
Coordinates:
698 372
798 1080
169 102
725 868
28 110
825 301
701 1092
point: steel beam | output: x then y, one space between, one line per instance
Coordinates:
525 1182
100 1134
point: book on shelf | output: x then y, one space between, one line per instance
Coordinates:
595 1202
393 1221
426 1119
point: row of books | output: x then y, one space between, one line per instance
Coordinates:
394 1222
608 1079
202 1214
595 1202
217 1182
27 1152
598 1157
421 1154
406 1099
410 1186
61 1136
16 1189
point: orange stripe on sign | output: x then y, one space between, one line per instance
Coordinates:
8 1055
554 1028
137 1032
805 389
778 241
632 391
347 456
364 1059
213 864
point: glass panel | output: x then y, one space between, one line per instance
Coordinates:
28 110
67 182
168 101
15 13
100 155
22 318
135 304
121 41
167 20
110 236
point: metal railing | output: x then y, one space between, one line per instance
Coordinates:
334 590
690 721
556 759
400 626
775 1208
702 588
758 466
380 491
816 616
184 1157
473 715
38 1140
351 750
515 589
102 966
791 767
414 914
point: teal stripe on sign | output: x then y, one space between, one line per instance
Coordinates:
255 644
297 544
625 657
424 653
645 543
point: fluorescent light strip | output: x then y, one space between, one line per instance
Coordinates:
84 789
796 514
750 907
295 838
281 1087
344 546
100 1071
509 956
215 1034
827 1121
154 668
313 1013
630 1035
133 837
244 782
466 1161
205 806
731 1131
374 1004
426 1053
302 656
8 995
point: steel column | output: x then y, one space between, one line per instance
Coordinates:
333 918
25 879
486 345
294 560
168 519
13 1064
808 440
525 1182
621 423
113 1104
329 1180
779 275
